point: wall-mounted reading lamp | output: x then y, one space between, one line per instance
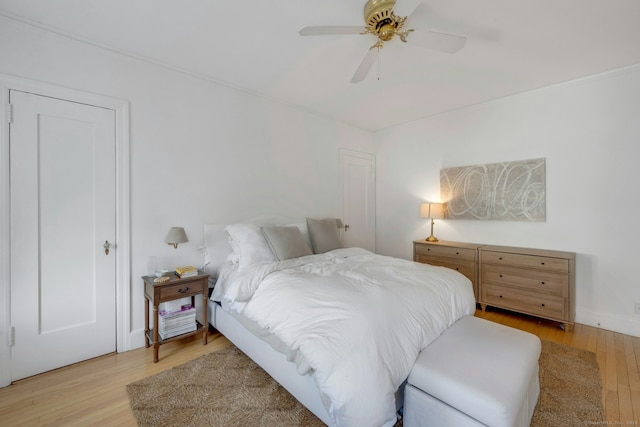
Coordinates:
175 236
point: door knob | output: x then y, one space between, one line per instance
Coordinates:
106 246
346 227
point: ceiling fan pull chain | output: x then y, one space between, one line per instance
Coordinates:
378 62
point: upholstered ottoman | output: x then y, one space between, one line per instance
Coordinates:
476 373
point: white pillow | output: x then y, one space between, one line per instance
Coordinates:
324 235
249 244
286 242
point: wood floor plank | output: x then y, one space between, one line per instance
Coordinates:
94 392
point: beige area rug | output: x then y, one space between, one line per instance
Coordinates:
226 388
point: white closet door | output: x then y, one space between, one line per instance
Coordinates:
63 292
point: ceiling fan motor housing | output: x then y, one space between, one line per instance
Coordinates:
377 10
379 16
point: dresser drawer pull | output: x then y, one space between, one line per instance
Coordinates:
542 263
501 275
457 268
542 305
542 283
182 291
457 253
500 296
500 258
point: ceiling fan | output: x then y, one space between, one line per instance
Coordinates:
383 23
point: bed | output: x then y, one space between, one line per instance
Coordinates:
339 328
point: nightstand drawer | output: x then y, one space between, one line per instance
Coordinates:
182 290
524 301
445 251
536 281
532 261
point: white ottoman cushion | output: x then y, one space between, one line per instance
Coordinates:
483 369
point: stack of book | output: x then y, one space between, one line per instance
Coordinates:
186 271
175 323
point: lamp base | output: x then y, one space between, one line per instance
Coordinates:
431 238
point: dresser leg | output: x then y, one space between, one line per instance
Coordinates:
567 327
483 307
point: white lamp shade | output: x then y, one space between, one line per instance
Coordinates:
432 210
176 235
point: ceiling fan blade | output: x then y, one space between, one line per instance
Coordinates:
365 65
329 31
438 41
418 16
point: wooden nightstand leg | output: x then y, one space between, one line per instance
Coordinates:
146 322
205 325
156 341
483 307
568 327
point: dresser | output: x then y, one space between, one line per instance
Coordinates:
532 281
462 257
537 282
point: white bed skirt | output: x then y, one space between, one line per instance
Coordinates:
302 387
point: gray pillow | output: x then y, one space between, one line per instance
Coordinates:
324 235
286 242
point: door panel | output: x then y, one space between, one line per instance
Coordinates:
62 212
358 199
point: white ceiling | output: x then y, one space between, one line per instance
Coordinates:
513 46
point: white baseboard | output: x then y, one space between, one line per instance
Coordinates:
629 325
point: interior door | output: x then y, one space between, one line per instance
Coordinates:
358 191
63 291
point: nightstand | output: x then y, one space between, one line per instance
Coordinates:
462 257
173 289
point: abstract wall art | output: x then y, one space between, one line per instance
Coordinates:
508 191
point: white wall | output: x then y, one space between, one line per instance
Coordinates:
589 133
200 152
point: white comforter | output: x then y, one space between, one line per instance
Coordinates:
357 319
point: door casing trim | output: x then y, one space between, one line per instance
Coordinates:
123 216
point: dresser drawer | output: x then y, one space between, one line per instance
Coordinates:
520 260
446 252
524 301
536 281
182 290
466 268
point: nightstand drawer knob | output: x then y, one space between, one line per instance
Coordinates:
501 275
182 291
542 283
500 296
542 305
500 258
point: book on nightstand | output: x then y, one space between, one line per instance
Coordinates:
175 323
186 271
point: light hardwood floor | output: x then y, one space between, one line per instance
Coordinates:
93 392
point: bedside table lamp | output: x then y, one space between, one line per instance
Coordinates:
175 236
431 211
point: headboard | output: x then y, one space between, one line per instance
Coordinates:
216 240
